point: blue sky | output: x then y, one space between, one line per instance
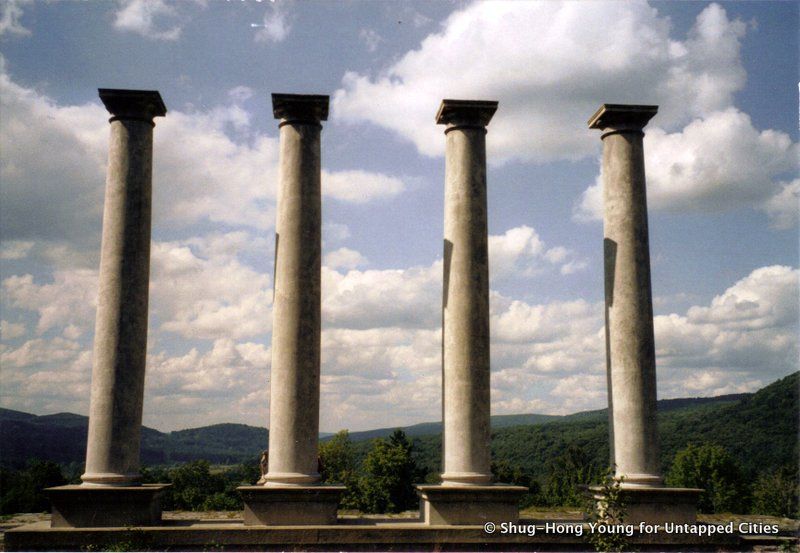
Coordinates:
722 189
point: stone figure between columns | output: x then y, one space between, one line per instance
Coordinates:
111 493
630 343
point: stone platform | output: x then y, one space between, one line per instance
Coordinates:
109 506
464 505
290 506
347 535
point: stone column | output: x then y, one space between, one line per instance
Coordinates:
630 344
465 305
466 495
290 494
120 341
294 377
111 493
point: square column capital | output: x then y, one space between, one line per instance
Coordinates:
473 113
132 104
618 116
311 108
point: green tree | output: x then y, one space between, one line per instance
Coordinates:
22 491
388 476
569 473
713 469
504 472
338 459
776 493
193 485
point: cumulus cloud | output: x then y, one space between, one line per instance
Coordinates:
189 297
275 26
11 13
550 64
344 258
15 249
227 173
370 38
715 163
70 300
148 18
784 207
9 330
520 252
360 187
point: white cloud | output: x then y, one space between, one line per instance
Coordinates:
275 26
64 190
550 64
360 187
716 163
146 18
9 330
409 298
210 294
520 252
370 38
71 298
15 249
10 16
784 207
344 258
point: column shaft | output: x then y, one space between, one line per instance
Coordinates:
120 343
295 373
465 319
629 310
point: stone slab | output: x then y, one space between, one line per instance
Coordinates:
360 535
456 505
656 505
76 506
295 505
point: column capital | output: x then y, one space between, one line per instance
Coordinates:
465 113
622 117
301 108
133 104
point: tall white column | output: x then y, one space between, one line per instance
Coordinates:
120 343
295 373
465 320
630 345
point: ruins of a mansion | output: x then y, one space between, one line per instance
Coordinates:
291 497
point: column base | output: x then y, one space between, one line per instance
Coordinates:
460 505
290 505
95 506
657 505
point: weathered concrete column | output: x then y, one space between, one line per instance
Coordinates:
466 495
111 493
629 307
294 377
290 494
465 320
120 341
630 343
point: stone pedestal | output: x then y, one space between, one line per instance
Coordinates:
290 506
657 505
105 506
120 339
463 505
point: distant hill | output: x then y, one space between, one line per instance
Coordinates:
759 429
